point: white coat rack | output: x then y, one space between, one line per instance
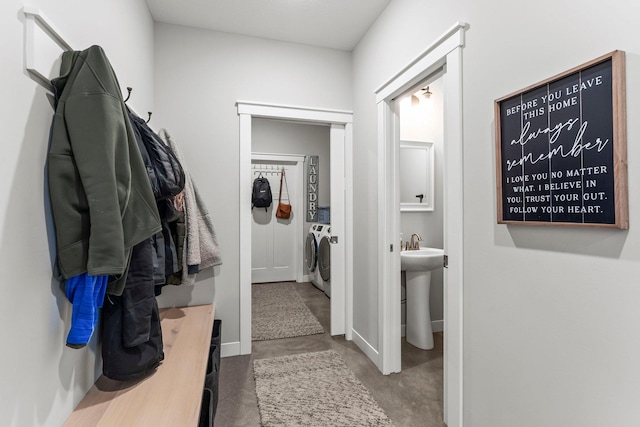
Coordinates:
36 22
267 169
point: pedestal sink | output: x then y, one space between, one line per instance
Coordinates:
417 266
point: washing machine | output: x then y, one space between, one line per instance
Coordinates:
317 256
311 253
324 259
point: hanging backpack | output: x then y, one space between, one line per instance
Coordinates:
261 195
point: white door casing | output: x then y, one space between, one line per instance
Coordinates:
341 283
336 155
275 255
444 54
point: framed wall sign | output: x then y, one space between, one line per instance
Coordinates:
312 187
561 149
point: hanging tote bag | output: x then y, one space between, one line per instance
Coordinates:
284 209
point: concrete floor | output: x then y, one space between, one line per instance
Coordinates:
411 398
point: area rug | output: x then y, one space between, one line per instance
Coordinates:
313 389
278 311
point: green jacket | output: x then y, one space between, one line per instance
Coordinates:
101 197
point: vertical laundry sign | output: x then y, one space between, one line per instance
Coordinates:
312 188
561 149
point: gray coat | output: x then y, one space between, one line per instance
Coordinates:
201 248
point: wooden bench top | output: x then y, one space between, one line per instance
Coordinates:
169 397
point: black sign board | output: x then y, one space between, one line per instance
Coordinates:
561 149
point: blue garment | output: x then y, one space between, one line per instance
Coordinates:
86 294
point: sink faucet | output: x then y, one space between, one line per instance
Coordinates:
414 243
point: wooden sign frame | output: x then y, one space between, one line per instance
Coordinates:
561 149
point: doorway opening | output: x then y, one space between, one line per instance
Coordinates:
445 56
341 149
420 183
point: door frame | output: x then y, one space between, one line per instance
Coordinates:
444 54
298 162
341 123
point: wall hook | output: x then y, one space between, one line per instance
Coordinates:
149 119
129 89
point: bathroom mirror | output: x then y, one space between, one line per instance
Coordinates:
416 176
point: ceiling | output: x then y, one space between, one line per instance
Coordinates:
336 24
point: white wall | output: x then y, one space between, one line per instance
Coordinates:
277 136
550 314
199 77
424 122
42 379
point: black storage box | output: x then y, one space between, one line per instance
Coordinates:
210 394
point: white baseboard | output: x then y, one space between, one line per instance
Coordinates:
303 278
367 349
436 326
228 349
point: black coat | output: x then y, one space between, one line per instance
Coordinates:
131 333
165 172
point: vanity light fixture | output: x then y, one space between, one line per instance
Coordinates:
425 92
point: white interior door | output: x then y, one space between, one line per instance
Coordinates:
273 240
